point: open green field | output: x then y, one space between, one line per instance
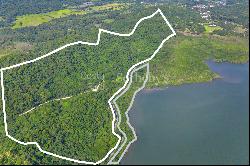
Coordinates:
211 29
37 19
111 6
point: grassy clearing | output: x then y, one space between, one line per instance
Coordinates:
111 6
37 19
108 21
211 29
5 52
240 29
16 48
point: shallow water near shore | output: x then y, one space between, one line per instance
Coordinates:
204 123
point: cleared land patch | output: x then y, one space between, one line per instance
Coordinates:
240 29
37 19
17 48
211 29
112 6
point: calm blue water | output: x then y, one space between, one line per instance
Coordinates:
204 123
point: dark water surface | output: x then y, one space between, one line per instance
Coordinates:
204 123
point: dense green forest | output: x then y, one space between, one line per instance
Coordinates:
79 126
65 73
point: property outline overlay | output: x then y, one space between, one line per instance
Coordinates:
109 101
126 113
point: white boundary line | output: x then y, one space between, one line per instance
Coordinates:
109 101
126 113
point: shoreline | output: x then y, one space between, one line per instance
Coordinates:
218 77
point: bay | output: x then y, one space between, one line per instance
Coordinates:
203 123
